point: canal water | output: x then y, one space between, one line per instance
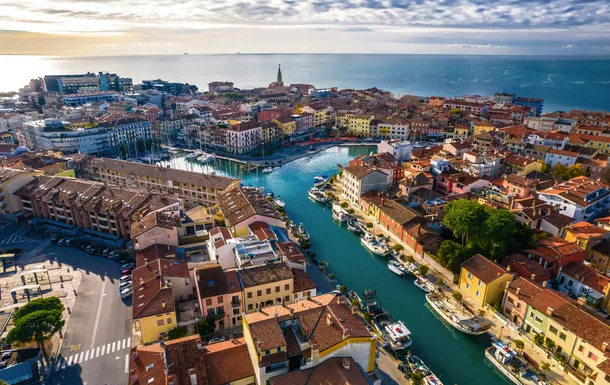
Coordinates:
454 357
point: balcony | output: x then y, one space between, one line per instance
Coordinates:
236 303
579 374
216 316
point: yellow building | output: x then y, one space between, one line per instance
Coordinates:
483 280
370 203
342 120
286 123
360 124
154 311
318 329
584 234
460 131
482 126
12 180
600 143
266 285
319 114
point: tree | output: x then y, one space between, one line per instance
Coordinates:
440 282
38 326
47 304
344 205
423 269
205 326
369 225
398 247
178 332
464 217
450 254
550 344
351 211
417 378
457 296
539 339
519 344
563 172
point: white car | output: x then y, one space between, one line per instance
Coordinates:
126 293
125 278
124 285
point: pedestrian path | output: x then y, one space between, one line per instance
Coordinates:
92 354
34 252
17 237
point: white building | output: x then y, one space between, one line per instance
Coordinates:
391 129
580 198
554 157
401 150
127 132
78 99
53 134
357 181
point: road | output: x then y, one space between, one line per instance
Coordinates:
95 349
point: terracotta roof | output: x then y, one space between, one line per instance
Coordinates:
484 269
8 173
585 230
360 172
240 203
262 231
147 365
527 289
335 371
152 298
291 252
163 267
302 281
602 247
587 275
529 265
558 220
262 275
228 362
397 212
152 220
154 252
212 281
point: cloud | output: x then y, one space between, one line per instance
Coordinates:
478 46
568 46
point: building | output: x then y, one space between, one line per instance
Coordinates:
188 361
287 124
584 234
481 126
266 285
154 310
554 157
168 129
127 133
103 213
243 137
220 295
393 129
12 180
156 227
220 87
53 134
357 180
360 124
581 198
516 297
578 280
191 187
599 256
400 150
305 334
90 97
554 254
535 103
20 366
394 217
483 280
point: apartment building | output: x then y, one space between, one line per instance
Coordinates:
483 280
244 206
12 180
359 180
191 187
266 285
220 295
53 134
581 198
127 132
360 124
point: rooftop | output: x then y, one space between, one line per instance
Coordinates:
265 274
484 269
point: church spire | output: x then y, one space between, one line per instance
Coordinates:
279 74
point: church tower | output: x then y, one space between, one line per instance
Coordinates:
279 75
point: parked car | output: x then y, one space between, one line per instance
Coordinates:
127 271
126 293
125 278
99 251
124 285
83 246
55 239
61 242
127 265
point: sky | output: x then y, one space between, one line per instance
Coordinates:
134 27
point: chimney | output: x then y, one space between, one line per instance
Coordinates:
193 376
199 344
604 346
508 268
163 303
346 364
533 277
545 283
329 320
519 290
549 311
345 333
291 312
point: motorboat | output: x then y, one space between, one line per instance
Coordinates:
421 284
317 195
398 335
514 368
457 316
268 170
340 214
373 245
279 203
397 267
207 158
192 155
302 232
320 180
417 365
354 226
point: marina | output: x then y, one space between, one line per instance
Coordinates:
373 245
517 370
456 315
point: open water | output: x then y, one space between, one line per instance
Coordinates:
564 82
455 357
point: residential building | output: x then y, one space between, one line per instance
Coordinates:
305 334
535 103
578 280
394 217
526 267
127 132
11 181
360 124
220 87
220 295
167 128
243 206
483 280
191 187
584 234
156 227
393 129
266 285
243 137
336 370
90 97
517 295
154 310
401 150
53 134
554 253
565 158
357 180
581 198
481 126
599 256
287 124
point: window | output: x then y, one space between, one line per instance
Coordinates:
511 300
250 307
467 286
150 380
553 330
208 302
562 336
469 275
287 286
592 356
160 322
287 298
219 299
277 289
268 291
581 348
148 367
168 321
259 293
478 293
249 294
480 283
235 311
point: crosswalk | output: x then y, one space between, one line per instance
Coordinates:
34 252
91 354
17 237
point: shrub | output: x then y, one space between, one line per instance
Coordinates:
550 344
344 205
545 366
205 326
440 282
457 296
497 306
331 276
539 339
410 258
423 269
519 344
178 332
343 289
369 225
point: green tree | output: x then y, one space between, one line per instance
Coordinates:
563 172
369 225
46 304
344 205
398 247
457 296
423 269
450 254
417 378
205 326
178 332
440 282
539 339
38 326
519 344
464 217
550 344
350 211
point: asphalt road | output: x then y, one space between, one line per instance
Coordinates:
96 345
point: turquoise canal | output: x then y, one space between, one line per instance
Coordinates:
454 357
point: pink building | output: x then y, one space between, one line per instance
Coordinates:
156 228
516 297
220 295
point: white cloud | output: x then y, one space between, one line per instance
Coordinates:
568 46
480 46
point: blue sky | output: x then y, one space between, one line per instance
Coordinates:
108 27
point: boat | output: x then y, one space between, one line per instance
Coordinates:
456 315
373 245
317 195
422 285
320 180
280 203
514 368
379 317
146 159
268 170
194 154
396 267
355 299
431 379
354 226
340 214
207 158
398 335
411 268
417 365
302 232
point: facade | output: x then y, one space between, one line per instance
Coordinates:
360 124
191 187
12 180
220 295
581 281
53 134
400 150
220 87
90 97
535 103
266 285
393 129
127 132
359 180
581 198
483 280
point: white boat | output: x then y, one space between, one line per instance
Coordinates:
411 268
146 159
302 232
431 379
280 203
417 365
268 170
317 195
340 214
396 267
207 158
354 226
398 335
193 154
373 245
320 180
456 315
513 367
422 285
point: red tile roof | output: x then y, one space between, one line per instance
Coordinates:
484 269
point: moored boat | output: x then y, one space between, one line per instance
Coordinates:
513 367
373 245
421 284
354 226
417 365
279 203
396 267
317 195
398 335
302 232
340 214
320 180
456 315
268 170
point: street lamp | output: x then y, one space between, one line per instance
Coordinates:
501 330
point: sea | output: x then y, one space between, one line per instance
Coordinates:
564 82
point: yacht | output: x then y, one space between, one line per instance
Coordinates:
420 283
354 226
320 180
457 316
207 158
193 154
417 365
280 203
397 267
317 195
513 367
373 245
340 214
302 232
268 170
398 335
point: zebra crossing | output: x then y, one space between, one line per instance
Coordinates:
17 237
34 252
91 354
